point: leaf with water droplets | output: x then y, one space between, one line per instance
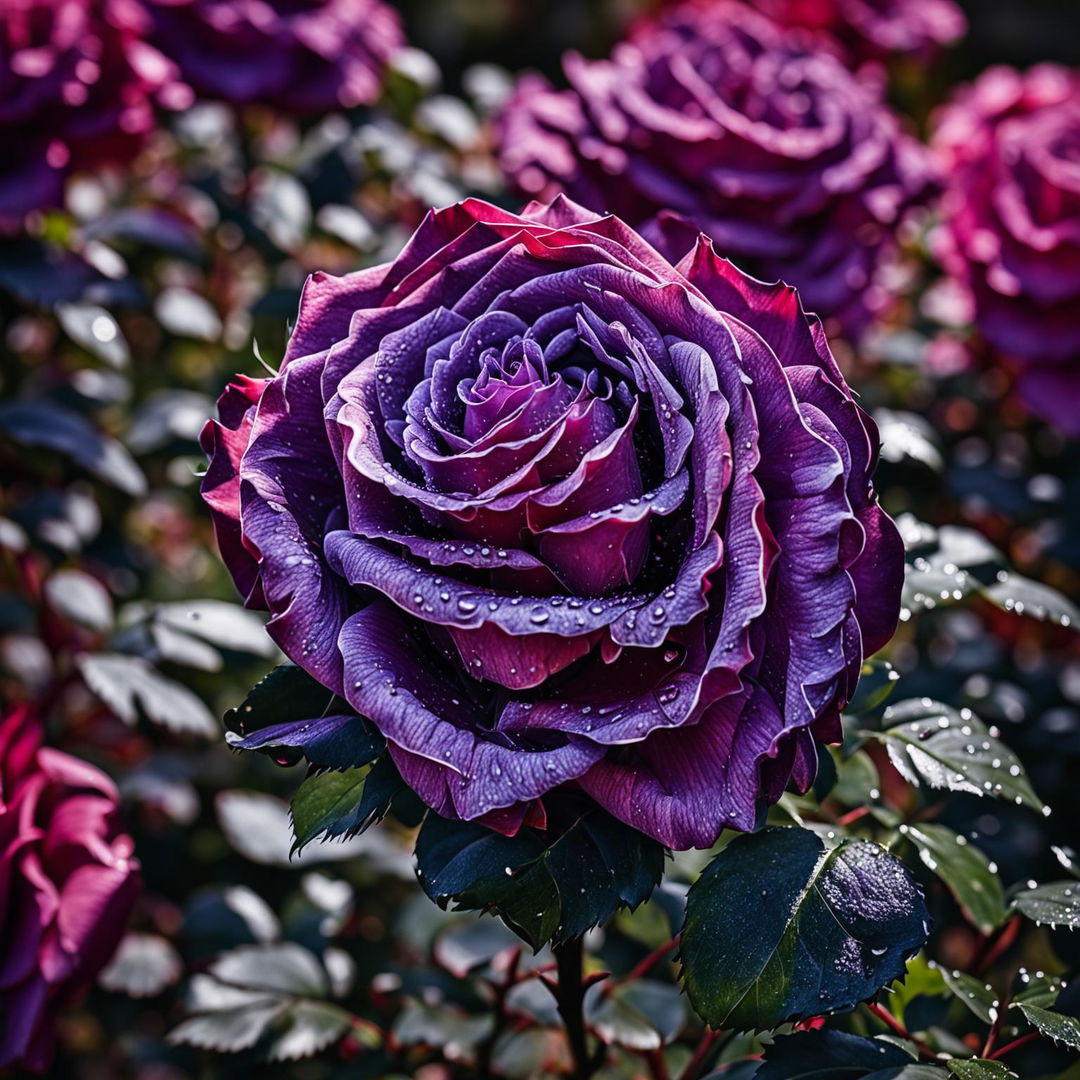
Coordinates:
545 885
981 1069
977 996
1056 903
1056 1026
876 682
965 870
953 750
831 926
1038 989
1021 595
827 1055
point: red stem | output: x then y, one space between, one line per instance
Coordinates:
705 1044
1015 1044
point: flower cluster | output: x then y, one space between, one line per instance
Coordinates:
301 56
1011 143
875 29
68 883
713 118
75 83
549 510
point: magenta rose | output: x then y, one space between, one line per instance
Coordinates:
76 81
298 56
548 510
712 118
68 883
874 29
1011 235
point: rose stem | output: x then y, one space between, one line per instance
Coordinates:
701 1054
1009 1047
570 1000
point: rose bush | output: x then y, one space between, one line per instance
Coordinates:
711 117
302 56
67 885
76 80
549 510
1011 211
875 29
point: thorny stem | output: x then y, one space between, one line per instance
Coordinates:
570 1000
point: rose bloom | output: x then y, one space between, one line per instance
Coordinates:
1011 235
712 118
874 29
298 56
68 883
549 510
75 86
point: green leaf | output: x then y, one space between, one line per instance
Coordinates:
228 1030
965 870
1018 594
310 1026
219 623
933 744
286 694
876 682
1054 1025
343 803
131 688
828 1055
922 979
981 1069
977 996
552 885
280 967
856 778
142 966
1056 903
642 1015
830 927
1040 989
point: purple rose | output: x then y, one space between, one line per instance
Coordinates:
712 118
75 86
1011 144
299 56
551 511
874 29
68 883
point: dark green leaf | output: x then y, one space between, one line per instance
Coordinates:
1041 990
830 928
642 1015
54 427
977 996
143 966
286 694
545 886
343 803
1054 1025
472 944
981 1069
1056 903
310 1026
1025 597
922 979
876 683
856 778
228 1030
279 967
828 1055
131 688
965 870
946 749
